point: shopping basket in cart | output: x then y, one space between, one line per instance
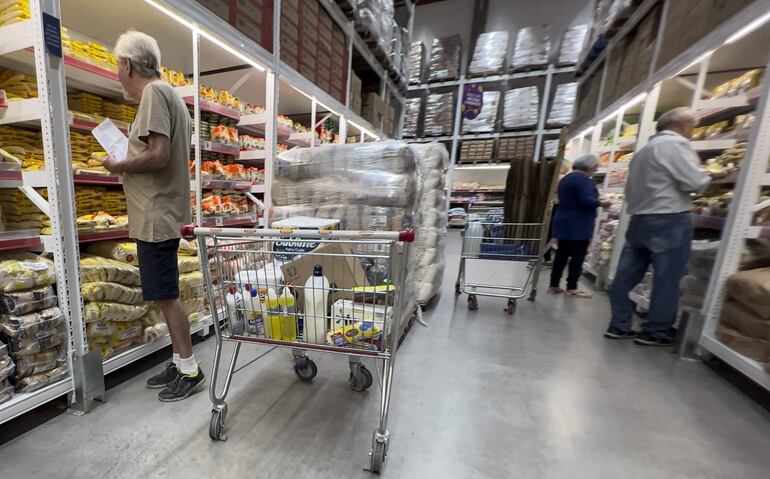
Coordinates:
307 290
494 241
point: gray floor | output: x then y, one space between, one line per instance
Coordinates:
477 395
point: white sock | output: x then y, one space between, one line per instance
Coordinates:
175 359
188 366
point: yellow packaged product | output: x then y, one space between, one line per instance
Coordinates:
96 268
187 264
187 248
191 280
154 332
100 328
117 312
113 292
126 330
123 251
102 345
24 271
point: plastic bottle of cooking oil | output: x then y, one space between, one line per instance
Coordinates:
288 321
271 313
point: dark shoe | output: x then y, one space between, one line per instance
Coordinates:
616 333
182 387
646 339
164 378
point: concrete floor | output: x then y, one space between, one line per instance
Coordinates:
477 395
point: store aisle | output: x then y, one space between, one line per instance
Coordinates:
477 395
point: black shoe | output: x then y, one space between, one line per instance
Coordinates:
164 378
616 333
646 339
182 387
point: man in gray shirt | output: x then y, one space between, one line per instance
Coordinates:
662 175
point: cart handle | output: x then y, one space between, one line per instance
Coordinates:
406 235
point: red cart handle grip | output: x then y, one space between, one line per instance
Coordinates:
406 235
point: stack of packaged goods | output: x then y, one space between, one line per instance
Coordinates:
600 250
699 265
219 129
572 44
412 108
32 328
250 143
376 18
550 148
217 202
477 151
489 54
14 11
416 62
532 48
486 119
521 108
445 59
174 78
99 209
19 213
17 85
521 148
431 224
563 106
221 97
744 324
85 102
88 51
438 114
22 146
119 111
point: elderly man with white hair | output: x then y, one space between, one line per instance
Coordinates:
662 175
573 224
157 185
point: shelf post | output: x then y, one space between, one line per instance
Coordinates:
196 51
85 367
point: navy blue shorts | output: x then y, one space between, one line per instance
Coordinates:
159 269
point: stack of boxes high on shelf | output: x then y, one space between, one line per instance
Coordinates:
476 151
355 93
516 148
314 45
416 62
379 113
253 18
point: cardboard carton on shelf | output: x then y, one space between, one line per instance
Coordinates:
289 29
290 60
311 5
255 10
307 72
289 13
219 8
248 28
289 46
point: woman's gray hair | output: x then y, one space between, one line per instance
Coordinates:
585 162
141 51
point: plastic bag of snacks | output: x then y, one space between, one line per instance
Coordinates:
19 271
24 302
101 328
32 324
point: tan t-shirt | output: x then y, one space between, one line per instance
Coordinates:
159 202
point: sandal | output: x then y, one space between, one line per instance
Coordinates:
555 290
579 293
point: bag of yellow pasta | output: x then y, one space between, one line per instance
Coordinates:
126 330
96 310
114 292
95 269
20 271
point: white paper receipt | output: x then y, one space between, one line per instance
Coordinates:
112 139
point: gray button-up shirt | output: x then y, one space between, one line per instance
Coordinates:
662 175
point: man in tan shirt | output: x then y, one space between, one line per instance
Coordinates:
156 181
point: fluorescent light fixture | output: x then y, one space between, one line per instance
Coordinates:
327 108
484 167
748 28
205 34
694 62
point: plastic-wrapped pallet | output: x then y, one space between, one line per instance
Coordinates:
521 109
445 59
572 44
412 117
431 224
487 118
438 114
532 47
416 62
489 54
563 106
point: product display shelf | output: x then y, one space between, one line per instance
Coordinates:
247 219
38 179
138 352
252 155
10 176
14 240
216 147
713 110
104 235
226 184
84 124
747 366
492 78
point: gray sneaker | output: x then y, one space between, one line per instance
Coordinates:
182 387
163 378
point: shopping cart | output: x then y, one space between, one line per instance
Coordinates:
485 240
293 275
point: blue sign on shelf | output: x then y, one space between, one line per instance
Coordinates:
52 35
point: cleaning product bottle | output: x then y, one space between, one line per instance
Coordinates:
234 301
255 318
288 307
316 295
272 315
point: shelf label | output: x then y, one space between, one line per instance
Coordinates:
473 100
52 35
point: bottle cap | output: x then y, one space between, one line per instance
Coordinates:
317 270
253 292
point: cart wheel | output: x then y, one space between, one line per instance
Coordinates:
511 306
379 453
473 303
305 369
457 288
217 425
362 381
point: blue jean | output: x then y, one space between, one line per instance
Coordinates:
662 241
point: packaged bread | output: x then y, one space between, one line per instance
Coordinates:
37 381
113 292
31 325
96 310
45 339
27 301
19 271
97 269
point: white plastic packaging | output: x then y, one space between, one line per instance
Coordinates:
489 54
522 107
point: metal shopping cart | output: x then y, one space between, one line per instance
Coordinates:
361 273
488 239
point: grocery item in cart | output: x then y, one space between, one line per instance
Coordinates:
489 54
521 108
533 45
316 301
445 59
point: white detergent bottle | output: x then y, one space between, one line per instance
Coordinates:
316 294
255 317
235 310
